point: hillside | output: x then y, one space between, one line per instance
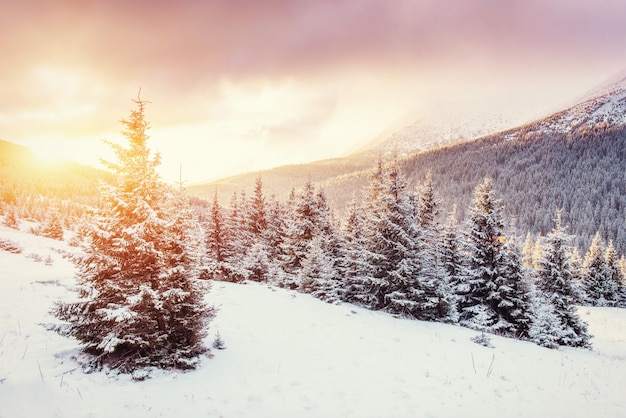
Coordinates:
573 159
288 354
582 173
439 127
280 180
25 177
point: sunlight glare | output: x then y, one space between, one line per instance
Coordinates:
54 150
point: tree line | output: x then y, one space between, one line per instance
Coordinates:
393 252
147 256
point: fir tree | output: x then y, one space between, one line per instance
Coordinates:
216 242
556 279
615 274
601 288
437 302
53 228
494 295
318 275
239 239
140 301
257 214
11 218
514 293
256 264
274 235
484 238
391 239
357 265
453 259
300 230
545 328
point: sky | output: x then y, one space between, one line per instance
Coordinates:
244 85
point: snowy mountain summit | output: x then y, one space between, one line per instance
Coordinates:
442 127
602 107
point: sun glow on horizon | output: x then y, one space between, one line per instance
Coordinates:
58 150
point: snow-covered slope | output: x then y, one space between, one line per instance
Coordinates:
289 355
604 106
436 130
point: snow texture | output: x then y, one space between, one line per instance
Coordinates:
601 107
290 355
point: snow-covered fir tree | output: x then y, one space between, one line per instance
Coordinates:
615 274
437 302
52 227
308 218
600 286
391 232
493 295
11 218
255 256
239 239
256 214
514 300
357 266
274 236
217 255
545 328
141 303
556 279
256 264
453 258
318 275
300 230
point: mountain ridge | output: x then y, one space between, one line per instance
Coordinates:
538 167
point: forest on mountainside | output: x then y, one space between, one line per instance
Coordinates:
280 180
582 173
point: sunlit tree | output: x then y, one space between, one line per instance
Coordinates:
140 301
52 227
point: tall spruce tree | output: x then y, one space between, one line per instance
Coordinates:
392 232
615 274
324 251
437 301
484 239
239 239
357 267
52 227
300 230
453 258
140 301
215 266
494 295
556 279
255 260
601 288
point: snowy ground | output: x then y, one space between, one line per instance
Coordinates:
289 355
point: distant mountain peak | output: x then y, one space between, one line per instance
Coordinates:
445 127
602 106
